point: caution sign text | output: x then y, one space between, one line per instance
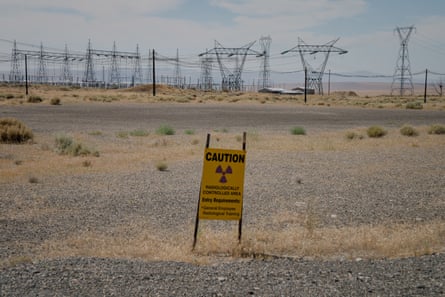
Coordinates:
222 184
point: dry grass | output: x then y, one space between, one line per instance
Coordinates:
296 240
143 93
134 153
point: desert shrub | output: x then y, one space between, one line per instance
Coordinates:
7 96
33 180
353 135
14 131
65 145
414 105
436 129
189 132
55 101
408 131
165 130
34 99
376 131
298 131
139 132
122 134
161 166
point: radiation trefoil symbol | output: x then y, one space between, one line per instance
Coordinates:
220 170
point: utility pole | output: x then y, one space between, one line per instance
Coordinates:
426 83
305 84
329 82
154 73
26 75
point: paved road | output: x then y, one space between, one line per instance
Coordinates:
119 116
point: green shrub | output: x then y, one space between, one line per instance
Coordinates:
376 131
66 146
408 131
165 130
34 99
414 105
436 129
189 132
95 133
139 132
353 135
298 131
122 134
14 131
161 166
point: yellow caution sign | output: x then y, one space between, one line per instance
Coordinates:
222 184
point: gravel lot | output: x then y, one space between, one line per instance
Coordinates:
345 189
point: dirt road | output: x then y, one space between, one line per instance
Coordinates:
100 116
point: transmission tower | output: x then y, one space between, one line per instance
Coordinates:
89 67
114 72
231 77
206 73
15 75
264 78
67 77
137 75
315 75
402 73
41 72
150 67
177 75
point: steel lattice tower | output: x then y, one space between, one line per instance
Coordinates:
264 77
206 73
177 75
137 75
67 77
114 72
231 79
89 67
150 67
315 75
15 75
402 73
41 72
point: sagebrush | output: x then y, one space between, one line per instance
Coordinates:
65 145
14 131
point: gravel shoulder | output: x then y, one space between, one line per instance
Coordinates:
422 276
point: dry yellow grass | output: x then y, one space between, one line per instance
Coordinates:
39 159
140 240
143 94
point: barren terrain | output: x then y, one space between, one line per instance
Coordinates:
324 214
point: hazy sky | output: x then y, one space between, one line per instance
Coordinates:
365 28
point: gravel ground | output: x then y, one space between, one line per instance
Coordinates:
345 188
423 276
